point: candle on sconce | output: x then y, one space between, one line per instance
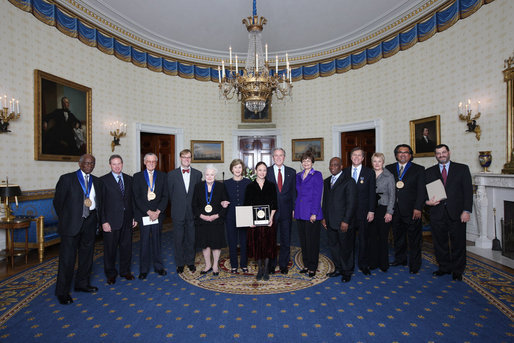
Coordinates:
18 106
276 63
460 107
230 52
478 106
290 79
266 49
222 69
219 74
5 100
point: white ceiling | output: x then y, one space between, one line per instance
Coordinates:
209 27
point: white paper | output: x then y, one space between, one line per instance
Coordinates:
147 221
436 190
244 216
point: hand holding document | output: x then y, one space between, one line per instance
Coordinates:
436 192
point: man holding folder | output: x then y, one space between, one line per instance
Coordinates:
449 212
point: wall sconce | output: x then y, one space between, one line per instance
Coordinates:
117 130
471 122
9 190
8 113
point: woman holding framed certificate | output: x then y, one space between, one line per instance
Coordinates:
262 239
210 218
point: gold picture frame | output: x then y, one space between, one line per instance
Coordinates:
207 151
61 134
299 146
424 147
263 116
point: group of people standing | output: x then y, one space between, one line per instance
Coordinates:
356 205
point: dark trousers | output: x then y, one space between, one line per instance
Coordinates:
184 241
121 238
283 226
379 246
84 244
234 236
407 237
449 238
361 226
150 247
342 246
309 241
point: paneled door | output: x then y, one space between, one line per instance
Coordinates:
161 145
255 149
349 140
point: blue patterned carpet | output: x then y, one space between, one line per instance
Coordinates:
385 307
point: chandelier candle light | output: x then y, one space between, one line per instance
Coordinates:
471 122
255 84
8 112
117 130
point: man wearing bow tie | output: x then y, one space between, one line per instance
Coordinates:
117 220
181 186
78 203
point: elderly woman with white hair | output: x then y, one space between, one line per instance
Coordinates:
210 218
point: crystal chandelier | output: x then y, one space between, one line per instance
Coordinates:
256 82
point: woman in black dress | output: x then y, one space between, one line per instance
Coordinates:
210 219
262 240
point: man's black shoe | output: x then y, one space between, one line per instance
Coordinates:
439 272
284 270
162 271
346 278
457 276
180 269
142 276
334 274
87 289
111 280
414 271
191 268
366 271
65 299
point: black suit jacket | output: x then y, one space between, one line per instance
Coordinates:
180 200
340 201
366 190
286 199
459 190
69 203
140 192
412 195
117 207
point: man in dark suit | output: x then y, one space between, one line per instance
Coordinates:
365 180
181 186
448 217
117 220
339 203
410 198
424 143
58 134
78 204
284 179
150 202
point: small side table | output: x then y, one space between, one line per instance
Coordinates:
9 227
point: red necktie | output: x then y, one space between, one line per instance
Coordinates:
444 174
279 180
185 171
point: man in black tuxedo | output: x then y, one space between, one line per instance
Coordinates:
339 203
181 187
424 143
284 179
58 135
365 180
117 220
448 217
410 198
150 202
78 204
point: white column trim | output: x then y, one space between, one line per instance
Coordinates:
165 130
253 132
363 125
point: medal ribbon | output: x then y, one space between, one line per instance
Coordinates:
147 178
207 197
400 177
83 183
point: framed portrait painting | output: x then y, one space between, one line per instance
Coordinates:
62 118
425 134
299 146
263 116
207 151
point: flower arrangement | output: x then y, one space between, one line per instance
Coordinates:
250 174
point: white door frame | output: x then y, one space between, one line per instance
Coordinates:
159 129
363 125
253 133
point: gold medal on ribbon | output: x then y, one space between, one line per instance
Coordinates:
260 214
88 202
208 208
400 184
151 196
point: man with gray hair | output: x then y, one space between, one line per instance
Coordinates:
285 180
150 202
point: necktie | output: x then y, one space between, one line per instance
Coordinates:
355 176
279 180
401 171
85 209
332 181
185 171
150 178
120 184
444 174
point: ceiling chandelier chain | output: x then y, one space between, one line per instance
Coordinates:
256 83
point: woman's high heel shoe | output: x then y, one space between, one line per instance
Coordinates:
206 271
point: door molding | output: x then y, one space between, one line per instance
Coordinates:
165 130
256 133
358 126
